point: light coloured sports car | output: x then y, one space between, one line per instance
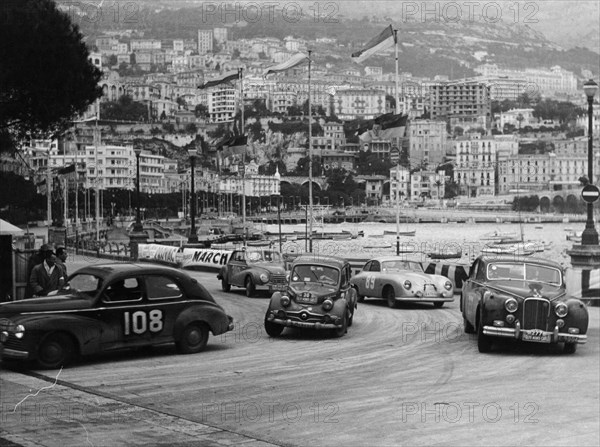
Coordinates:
397 279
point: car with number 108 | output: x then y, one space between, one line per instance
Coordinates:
110 307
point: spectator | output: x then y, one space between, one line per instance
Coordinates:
61 258
36 259
46 277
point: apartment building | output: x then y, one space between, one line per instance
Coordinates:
399 183
427 141
476 161
460 102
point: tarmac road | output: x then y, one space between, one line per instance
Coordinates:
406 376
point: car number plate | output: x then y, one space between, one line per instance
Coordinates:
430 292
302 324
278 287
536 336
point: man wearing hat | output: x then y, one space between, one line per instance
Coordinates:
47 276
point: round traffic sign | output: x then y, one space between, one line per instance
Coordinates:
590 193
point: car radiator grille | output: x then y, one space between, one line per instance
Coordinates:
535 313
278 279
14 343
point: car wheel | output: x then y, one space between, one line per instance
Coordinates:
484 342
359 298
570 348
250 287
469 329
193 339
390 296
225 286
55 351
341 331
438 304
273 329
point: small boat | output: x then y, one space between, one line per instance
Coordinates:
377 246
259 243
401 233
443 254
514 249
575 236
539 227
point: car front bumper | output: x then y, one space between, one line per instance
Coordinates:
14 354
295 322
534 335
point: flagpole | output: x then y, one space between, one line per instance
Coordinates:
76 186
397 92
310 161
398 143
240 74
97 202
65 190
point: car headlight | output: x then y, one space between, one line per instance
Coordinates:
285 301
448 285
20 331
511 305
264 278
327 304
407 284
561 310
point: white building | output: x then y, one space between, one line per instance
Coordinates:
476 161
427 141
399 183
205 41
427 184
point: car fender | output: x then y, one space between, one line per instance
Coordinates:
577 315
214 317
275 303
86 332
339 307
352 295
222 273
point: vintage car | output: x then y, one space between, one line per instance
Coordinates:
318 296
522 300
113 306
254 268
397 279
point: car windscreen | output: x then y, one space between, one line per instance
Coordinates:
396 266
263 256
85 284
523 271
315 273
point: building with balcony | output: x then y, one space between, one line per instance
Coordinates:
427 141
475 170
399 183
427 184
464 102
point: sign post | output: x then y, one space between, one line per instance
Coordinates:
590 193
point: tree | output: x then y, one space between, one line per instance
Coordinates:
46 78
125 109
201 111
191 128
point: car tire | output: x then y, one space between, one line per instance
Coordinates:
55 351
225 286
484 342
438 304
273 329
570 348
341 331
193 339
250 287
469 329
390 296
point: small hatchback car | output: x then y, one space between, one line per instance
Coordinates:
522 300
113 306
318 296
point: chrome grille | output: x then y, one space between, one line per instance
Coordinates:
14 343
535 313
278 279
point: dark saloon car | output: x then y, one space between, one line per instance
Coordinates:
114 306
523 300
318 296
253 268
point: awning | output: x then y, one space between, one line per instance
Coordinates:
8 228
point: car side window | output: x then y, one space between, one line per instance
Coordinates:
162 288
473 269
344 277
123 290
375 267
239 256
367 266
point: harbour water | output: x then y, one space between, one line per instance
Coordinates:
431 237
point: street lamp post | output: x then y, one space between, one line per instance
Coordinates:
193 238
137 236
590 235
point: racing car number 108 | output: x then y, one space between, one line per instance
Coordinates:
140 321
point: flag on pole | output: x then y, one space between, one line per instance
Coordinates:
233 145
384 40
222 79
292 62
66 170
384 127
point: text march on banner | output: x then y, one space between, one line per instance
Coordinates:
222 79
379 43
292 62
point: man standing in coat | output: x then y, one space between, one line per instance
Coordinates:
46 277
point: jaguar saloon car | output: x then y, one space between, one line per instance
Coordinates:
318 296
524 300
397 279
253 269
113 306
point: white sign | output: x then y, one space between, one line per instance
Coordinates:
156 252
204 257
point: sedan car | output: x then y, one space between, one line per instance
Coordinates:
526 300
113 306
254 268
397 279
318 296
